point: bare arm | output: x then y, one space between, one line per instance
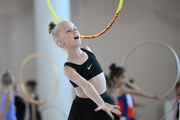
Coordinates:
6 106
33 106
33 111
133 86
126 90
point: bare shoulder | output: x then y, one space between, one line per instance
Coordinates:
68 70
87 48
122 90
9 97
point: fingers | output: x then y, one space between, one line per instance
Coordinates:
109 108
116 106
116 111
97 109
109 113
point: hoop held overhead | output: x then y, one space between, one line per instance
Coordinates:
97 34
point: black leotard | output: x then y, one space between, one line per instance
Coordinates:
20 108
89 69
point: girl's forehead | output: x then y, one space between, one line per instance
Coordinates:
66 25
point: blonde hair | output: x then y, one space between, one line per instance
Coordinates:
54 28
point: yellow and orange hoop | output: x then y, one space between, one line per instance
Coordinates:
95 35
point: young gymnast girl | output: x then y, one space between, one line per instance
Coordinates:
122 92
7 110
85 74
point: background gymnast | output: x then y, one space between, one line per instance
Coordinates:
123 91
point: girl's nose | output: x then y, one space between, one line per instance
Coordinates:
74 31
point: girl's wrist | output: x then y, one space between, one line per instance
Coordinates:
100 103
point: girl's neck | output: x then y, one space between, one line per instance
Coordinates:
32 91
8 89
74 54
119 85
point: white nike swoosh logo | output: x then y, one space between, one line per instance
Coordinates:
89 67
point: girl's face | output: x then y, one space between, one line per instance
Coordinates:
4 86
121 79
29 88
69 36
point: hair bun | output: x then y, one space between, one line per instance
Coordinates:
51 26
112 66
6 72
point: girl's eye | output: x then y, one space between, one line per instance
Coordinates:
75 28
68 31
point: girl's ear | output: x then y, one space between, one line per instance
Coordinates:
115 79
59 42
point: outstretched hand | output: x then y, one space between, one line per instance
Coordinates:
29 99
109 108
158 97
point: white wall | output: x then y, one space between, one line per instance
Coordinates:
17 36
152 66
45 45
